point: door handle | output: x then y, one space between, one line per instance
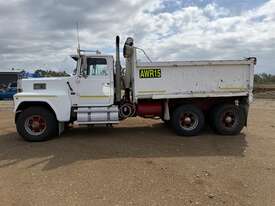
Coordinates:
106 84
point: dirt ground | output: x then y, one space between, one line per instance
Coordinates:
140 162
264 91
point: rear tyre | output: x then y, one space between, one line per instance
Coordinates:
228 119
187 120
36 124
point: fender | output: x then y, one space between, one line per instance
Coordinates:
60 103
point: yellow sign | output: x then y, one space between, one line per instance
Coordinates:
150 73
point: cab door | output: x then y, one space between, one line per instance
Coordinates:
95 85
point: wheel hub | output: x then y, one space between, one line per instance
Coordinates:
228 119
35 125
187 120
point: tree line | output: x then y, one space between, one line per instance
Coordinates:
264 78
50 73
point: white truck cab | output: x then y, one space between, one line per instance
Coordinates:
184 94
94 84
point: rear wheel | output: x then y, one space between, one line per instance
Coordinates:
228 119
36 124
187 120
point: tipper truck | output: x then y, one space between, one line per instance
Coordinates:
186 95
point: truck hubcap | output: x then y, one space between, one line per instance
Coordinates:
189 121
35 125
228 119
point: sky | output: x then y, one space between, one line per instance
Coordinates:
42 34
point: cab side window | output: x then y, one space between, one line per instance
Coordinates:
97 67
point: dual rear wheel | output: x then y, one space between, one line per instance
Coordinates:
226 119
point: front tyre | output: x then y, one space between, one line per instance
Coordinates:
187 120
229 119
36 124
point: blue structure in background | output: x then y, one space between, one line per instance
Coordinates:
7 92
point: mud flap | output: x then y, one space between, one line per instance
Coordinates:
246 108
166 111
61 127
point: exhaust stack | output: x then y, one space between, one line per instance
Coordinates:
118 72
129 53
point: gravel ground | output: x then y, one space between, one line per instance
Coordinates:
140 162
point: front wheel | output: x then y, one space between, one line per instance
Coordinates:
36 124
188 120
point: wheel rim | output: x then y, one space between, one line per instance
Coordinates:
228 119
189 121
35 125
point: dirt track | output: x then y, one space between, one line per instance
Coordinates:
140 162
